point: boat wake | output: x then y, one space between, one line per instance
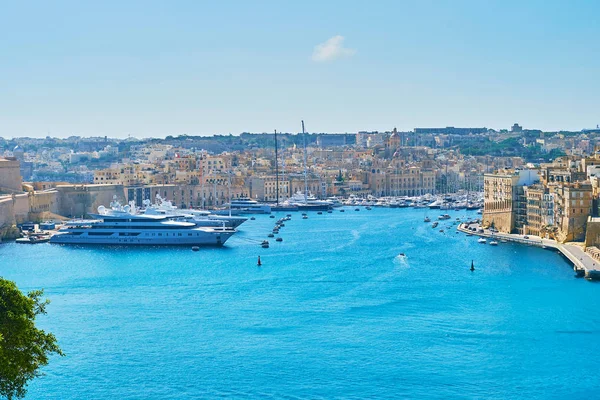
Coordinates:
355 236
401 260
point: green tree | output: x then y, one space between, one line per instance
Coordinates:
23 347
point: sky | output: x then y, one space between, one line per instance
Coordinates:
157 68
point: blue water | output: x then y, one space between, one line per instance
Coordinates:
334 312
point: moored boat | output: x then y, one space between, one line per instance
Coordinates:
121 226
34 238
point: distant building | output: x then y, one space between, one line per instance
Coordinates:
450 130
516 128
264 188
573 206
331 140
535 209
19 153
370 139
10 175
504 199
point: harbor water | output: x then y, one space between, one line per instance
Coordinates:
335 311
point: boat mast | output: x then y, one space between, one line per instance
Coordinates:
229 189
305 171
215 189
203 179
276 170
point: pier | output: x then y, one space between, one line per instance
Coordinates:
582 262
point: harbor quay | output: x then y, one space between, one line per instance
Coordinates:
583 263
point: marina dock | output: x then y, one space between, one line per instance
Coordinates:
582 262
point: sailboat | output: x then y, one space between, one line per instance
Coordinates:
280 206
305 201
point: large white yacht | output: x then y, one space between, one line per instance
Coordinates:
198 217
121 226
245 205
335 202
308 202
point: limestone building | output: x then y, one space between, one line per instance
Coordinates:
504 205
10 176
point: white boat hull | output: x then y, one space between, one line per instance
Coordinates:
187 237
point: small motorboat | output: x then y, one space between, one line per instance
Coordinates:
368 208
427 219
34 238
493 243
342 210
252 218
279 239
271 216
481 240
305 217
329 211
288 216
357 209
320 213
195 248
434 225
270 235
265 244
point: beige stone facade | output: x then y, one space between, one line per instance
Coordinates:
10 176
573 206
264 188
535 210
409 181
500 196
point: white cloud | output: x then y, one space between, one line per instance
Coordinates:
332 49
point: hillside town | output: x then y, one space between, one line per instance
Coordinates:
534 182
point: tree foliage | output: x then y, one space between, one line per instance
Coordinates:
512 147
23 347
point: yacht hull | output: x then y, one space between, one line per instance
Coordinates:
313 207
146 239
284 208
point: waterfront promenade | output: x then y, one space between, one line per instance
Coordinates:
574 252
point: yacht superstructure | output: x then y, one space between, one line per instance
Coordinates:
198 217
245 205
308 202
